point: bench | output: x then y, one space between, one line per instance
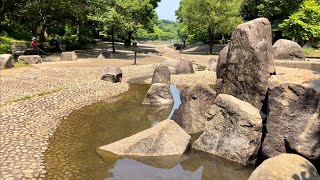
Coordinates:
19 49
47 46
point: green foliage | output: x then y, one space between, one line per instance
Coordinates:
275 10
5 43
165 30
305 23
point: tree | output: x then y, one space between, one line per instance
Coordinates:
303 25
275 10
211 17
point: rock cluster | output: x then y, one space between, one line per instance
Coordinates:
105 54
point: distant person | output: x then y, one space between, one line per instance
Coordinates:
35 44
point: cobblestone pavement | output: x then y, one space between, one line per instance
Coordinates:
35 100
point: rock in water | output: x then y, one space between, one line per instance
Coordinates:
165 139
287 50
161 74
105 54
69 56
158 94
6 61
249 62
195 104
30 59
285 166
112 74
185 67
293 122
233 130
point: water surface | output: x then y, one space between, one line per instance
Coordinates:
72 153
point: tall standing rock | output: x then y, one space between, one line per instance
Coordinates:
221 68
249 62
192 113
287 50
233 131
293 122
161 74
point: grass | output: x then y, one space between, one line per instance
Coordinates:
308 51
5 43
20 64
30 96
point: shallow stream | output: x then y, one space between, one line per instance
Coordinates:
71 153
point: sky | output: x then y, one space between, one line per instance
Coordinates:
167 8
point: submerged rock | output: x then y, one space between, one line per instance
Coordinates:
158 94
161 74
233 130
69 56
248 63
195 104
293 122
285 49
285 166
165 139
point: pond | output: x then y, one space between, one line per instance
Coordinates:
71 153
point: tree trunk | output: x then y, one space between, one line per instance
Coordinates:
42 37
113 46
128 41
211 40
79 30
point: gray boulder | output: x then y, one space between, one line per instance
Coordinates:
193 112
172 65
285 166
161 74
30 59
6 61
287 50
233 131
184 67
221 68
105 54
165 139
248 63
212 64
293 122
158 94
69 56
112 74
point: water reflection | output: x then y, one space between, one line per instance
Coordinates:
71 153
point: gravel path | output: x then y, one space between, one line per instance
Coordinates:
35 100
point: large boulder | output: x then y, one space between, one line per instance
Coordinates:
30 59
161 74
212 64
69 56
112 74
172 65
105 54
249 62
165 139
287 50
293 122
233 131
221 68
285 166
184 67
6 61
195 104
158 94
